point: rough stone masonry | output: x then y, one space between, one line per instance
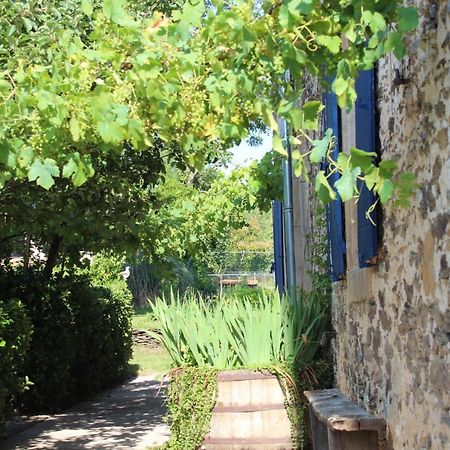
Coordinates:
392 321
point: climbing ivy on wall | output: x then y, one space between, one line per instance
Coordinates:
192 395
201 77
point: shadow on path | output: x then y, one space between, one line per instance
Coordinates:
128 417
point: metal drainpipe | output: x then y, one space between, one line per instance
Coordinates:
288 213
278 245
288 209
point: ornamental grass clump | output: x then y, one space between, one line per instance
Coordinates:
232 332
205 336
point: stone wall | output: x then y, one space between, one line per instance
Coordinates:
392 321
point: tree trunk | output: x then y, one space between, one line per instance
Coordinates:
53 253
26 260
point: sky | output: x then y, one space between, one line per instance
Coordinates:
244 154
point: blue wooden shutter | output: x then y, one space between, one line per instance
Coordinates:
334 210
366 139
277 213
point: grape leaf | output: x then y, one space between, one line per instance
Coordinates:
339 86
115 11
297 7
406 187
25 156
277 144
332 43
321 146
394 42
362 159
7 157
111 132
385 191
87 7
189 17
43 173
323 189
311 112
346 185
407 19
387 168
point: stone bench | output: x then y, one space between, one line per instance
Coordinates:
337 423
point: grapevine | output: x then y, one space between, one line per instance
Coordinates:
200 78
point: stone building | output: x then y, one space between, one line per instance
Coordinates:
391 310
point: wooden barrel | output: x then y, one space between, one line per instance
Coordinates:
249 413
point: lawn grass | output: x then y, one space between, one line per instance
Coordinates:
143 319
147 361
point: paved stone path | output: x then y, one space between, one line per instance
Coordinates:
128 417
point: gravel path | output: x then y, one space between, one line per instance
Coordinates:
127 417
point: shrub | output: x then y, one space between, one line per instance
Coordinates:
241 291
81 336
15 332
106 267
52 352
92 326
149 280
104 338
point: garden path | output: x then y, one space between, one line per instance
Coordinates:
127 417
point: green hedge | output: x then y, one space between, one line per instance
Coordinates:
82 338
15 332
104 336
49 363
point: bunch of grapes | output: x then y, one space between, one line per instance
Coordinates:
36 135
245 108
195 108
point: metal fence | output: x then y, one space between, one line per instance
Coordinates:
252 279
244 261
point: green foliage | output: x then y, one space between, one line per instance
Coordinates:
103 333
81 337
256 234
109 210
233 333
319 273
244 261
184 235
252 294
195 217
188 231
47 365
15 334
105 268
192 395
110 76
179 225
265 180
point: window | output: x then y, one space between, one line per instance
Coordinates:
335 210
353 238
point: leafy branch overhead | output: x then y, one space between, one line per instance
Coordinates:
200 78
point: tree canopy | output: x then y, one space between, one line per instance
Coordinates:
126 198
194 82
